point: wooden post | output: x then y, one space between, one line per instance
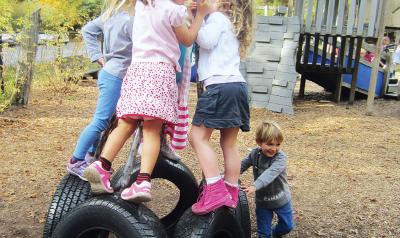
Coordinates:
290 8
355 71
26 60
1 65
338 91
302 86
377 58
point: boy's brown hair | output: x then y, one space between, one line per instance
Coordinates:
268 131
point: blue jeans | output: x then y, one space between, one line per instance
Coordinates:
109 92
264 221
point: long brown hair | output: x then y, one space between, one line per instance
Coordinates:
242 14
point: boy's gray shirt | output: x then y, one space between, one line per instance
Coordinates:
117 44
270 178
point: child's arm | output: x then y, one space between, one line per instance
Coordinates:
245 164
90 32
270 174
210 33
187 35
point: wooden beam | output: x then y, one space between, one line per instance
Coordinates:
340 19
355 71
361 17
375 63
329 22
351 17
373 11
302 86
309 15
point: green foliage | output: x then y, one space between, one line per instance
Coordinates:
62 75
10 89
5 16
58 17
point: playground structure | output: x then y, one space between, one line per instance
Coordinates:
328 36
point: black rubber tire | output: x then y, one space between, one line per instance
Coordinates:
181 176
70 192
221 223
242 214
109 214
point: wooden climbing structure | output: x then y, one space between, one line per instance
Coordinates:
331 36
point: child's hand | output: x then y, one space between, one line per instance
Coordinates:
249 189
101 62
193 6
204 7
192 10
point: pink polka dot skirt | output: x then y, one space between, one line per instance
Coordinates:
149 91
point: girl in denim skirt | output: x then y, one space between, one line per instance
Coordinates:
149 90
223 38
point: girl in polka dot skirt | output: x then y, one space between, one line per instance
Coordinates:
149 91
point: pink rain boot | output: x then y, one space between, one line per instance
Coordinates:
234 192
213 196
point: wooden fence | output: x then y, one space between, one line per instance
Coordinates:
339 17
26 60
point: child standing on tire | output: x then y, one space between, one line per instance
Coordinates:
115 24
270 182
149 90
223 38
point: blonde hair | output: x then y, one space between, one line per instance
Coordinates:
242 14
111 7
268 131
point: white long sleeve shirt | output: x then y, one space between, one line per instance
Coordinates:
219 50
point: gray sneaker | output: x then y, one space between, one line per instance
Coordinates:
89 159
77 168
169 152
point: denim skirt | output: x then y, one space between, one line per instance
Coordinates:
222 106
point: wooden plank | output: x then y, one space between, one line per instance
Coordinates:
355 71
351 17
342 52
338 90
309 16
299 11
341 8
375 63
320 15
299 51
306 49
329 21
361 17
373 11
302 86
315 54
350 54
333 53
324 48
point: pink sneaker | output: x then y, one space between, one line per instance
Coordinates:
212 197
234 192
98 178
137 193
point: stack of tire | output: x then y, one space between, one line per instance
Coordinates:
74 212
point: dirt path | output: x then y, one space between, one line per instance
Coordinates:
344 167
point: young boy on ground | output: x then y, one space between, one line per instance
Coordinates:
270 182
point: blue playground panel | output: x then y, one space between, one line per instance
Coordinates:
363 76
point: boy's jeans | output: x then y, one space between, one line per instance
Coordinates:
109 92
264 221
